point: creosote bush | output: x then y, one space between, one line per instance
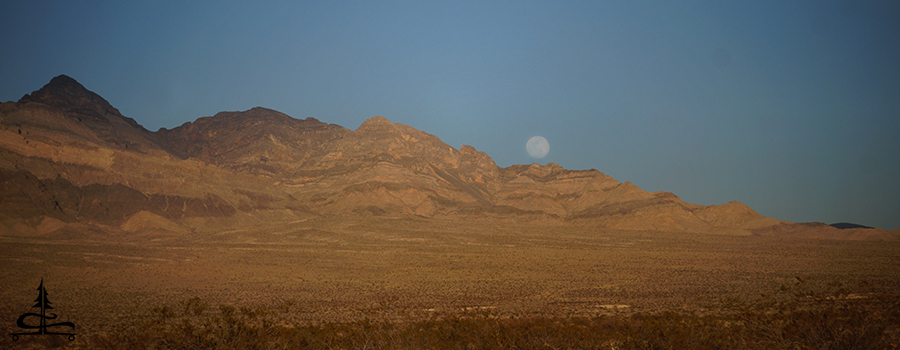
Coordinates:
795 317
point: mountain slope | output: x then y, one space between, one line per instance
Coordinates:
84 114
259 141
67 157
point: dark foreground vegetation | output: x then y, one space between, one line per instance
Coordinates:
794 317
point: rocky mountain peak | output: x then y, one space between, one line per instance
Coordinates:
260 119
67 94
376 123
378 136
250 139
97 119
59 86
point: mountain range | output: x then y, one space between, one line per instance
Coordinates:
71 163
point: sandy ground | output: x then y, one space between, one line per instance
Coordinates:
344 269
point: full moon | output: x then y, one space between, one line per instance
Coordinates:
537 147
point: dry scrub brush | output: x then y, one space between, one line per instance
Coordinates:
798 316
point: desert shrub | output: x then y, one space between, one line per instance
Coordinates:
799 316
805 316
194 328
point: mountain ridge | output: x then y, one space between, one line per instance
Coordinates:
85 107
72 158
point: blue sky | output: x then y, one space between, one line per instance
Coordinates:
792 107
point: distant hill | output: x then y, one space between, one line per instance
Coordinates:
69 159
847 225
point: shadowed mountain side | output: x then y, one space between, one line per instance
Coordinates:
26 196
84 114
67 158
823 231
259 141
846 225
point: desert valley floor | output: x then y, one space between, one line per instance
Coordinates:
342 269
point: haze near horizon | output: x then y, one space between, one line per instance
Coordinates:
790 108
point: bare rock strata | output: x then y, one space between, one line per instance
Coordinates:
69 161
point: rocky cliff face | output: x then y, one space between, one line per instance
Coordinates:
67 157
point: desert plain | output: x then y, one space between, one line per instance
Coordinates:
402 269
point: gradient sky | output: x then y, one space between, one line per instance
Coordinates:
792 107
